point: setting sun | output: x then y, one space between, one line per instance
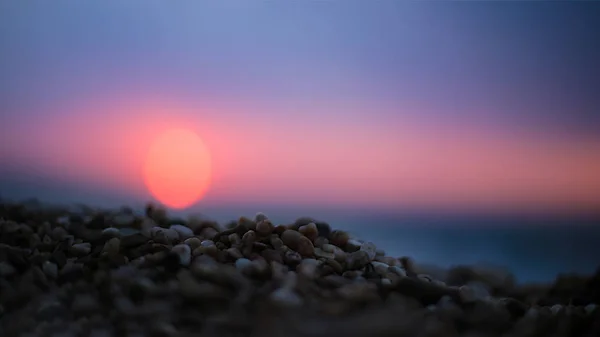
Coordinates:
177 168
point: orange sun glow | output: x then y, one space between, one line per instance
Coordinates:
177 168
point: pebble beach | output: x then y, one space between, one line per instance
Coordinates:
93 272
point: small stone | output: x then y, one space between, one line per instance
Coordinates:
207 247
193 242
111 232
112 247
134 240
85 304
50 269
321 241
305 247
310 231
323 254
260 217
323 228
234 239
380 267
234 253
358 259
339 254
182 231
276 242
124 220
424 277
81 249
249 237
308 268
590 308
243 265
184 253
264 228
370 249
291 238
339 238
292 258
6 269
164 235
472 293
285 297
390 261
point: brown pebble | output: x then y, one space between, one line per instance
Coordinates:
310 231
291 238
305 247
339 238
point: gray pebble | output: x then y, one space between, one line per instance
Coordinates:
183 231
81 248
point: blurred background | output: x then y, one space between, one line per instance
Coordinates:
457 132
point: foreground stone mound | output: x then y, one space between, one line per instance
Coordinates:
87 272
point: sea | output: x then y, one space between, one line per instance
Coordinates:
533 248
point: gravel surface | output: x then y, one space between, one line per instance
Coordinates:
88 272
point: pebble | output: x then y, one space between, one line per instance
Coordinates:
111 232
370 249
339 238
182 231
264 227
164 235
124 220
63 280
193 242
358 259
81 248
310 231
380 267
286 297
50 269
260 217
6 269
590 308
112 247
184 253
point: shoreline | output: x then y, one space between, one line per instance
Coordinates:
125 268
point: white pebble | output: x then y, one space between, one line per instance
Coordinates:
111 232
397 270
353 245
207 243
370 248
184 252
380 267
183 231
243 265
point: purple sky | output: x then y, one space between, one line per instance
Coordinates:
382 104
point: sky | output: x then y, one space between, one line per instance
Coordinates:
476 106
